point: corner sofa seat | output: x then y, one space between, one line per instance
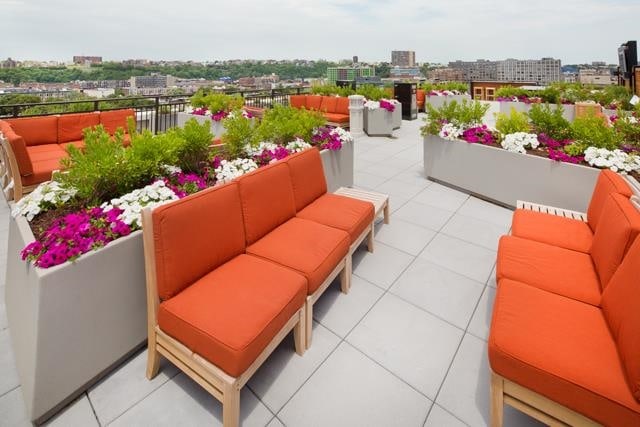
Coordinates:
334 108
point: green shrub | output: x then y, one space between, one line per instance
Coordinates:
465 113
512 91
452 86
575 148
372 92
513 122
614 95
238 134
148 154
593 131
193 144
329 90
216 101
550 121
283 124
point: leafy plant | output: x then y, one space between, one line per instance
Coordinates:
451 86
372 92
283 124
628 127
462 114
148 155
512 92
575 148
238 134
513 122
216 101
193 149
550 121
594 131
328 90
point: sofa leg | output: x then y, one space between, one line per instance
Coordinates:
386 213
345 275
370 237
299 332
231 405
497 400
308 322
153 357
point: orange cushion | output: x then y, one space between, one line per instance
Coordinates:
345 213
310 248
70 126
231 314
36 130
307 177
195 235
42 171
342 105
618 226
608 182
621 306
336 118
552 229
267 200
328 104
558 270
298 101
562 349
40 153
19 148
78 144
314 102
112 120
420 96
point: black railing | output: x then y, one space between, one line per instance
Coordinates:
154 113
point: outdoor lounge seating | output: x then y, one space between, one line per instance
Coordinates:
34 146
421 95
334 108
255 267
565 335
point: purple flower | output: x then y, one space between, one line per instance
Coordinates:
479 134
199 111
390 107
219 115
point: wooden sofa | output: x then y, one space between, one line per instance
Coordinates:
334 108
564 345
34 146
233 269
421 95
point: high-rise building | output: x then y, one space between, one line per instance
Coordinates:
153 84
349 73
403 58
541 71
477 70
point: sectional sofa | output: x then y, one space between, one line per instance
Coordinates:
334 108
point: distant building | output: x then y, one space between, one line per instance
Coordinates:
153 84
486 90
477 70
403 58
541 71
601 77
8 63
405 72
87 60
568 77
446 75
599 64
349 73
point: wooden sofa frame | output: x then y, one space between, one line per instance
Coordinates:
10 176
222 386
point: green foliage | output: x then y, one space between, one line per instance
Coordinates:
238 133
457 86
328 90
148 154
215 101
593 131
465 113
575 148
283 124
511 91
630 132
513 122
193 148
550 121
372 92
614 95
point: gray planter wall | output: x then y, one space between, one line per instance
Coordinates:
217 129
438 101
379 122
397 117
568 110
338 167
505 177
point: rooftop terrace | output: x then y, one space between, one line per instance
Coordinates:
406 347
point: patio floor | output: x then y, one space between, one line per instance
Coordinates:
406 347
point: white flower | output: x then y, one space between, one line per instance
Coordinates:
297 145
170 169
132 203
450 132
372 105
46 196
519 141
251 151
344 135
229 170
616 160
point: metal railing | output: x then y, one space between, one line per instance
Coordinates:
154 113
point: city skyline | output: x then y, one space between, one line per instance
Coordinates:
437 31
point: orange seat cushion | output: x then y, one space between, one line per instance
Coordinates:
310 248
267 200
618 226
420 96
112 120
307 176
19 148
194 235
552 229
608 182
314 102
45 159
230 315
620 304
558 270
298 101
345 213
562 349
336 118
342 105
70 126
328 104
80 145
36 130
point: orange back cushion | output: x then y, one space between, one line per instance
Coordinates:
620 303
342 105
195 235
307 177
608 182
36 130
70 126
328 104
267 200
420 95
618 227
298 101
112 120
314 102
19 148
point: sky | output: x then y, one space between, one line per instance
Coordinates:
575 31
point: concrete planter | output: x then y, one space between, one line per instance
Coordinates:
217 129
568 110
505 177
379 122
438 101
397 117
338 167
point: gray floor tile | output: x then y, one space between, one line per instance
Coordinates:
395 202
182 402
284 371
481 320
441 197
439 291
8 374
275 422
383 170
404 235
409 342
424 215
78 414
400 188
12 410
486 211
351 390
492 278
127 386
339 312
479 232
462 257
383 266
438 417
367 180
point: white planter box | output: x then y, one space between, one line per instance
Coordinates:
71 323
438 101
505 177
379 122
217 129
569 110
397 116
